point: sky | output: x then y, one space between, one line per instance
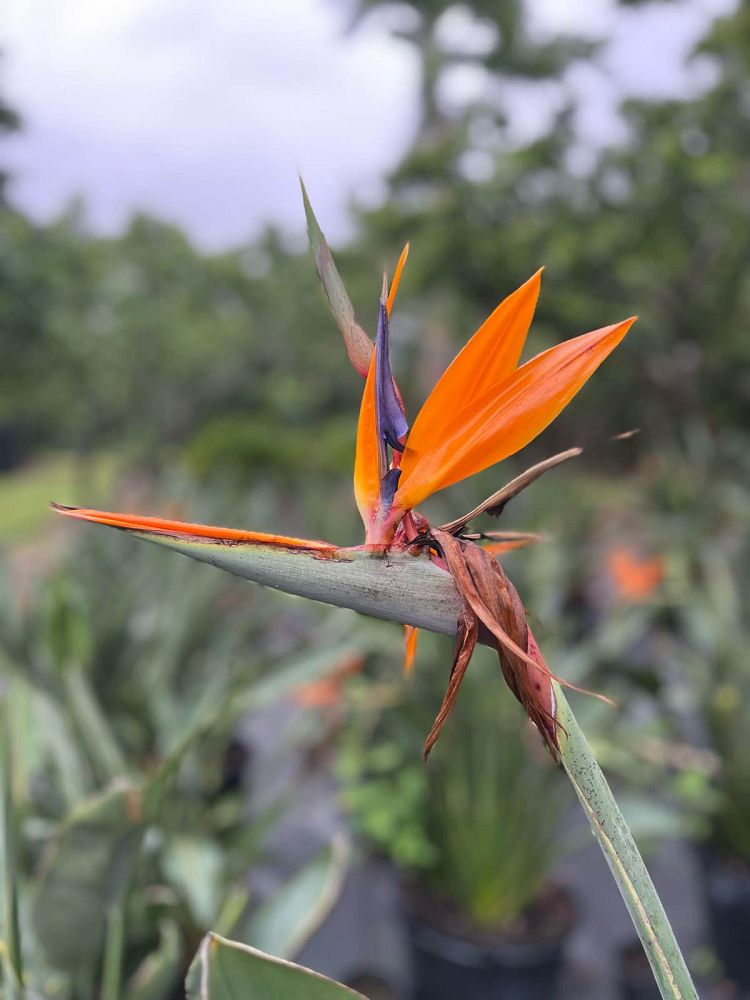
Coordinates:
202 112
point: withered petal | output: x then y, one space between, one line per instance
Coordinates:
495 602
467 633
495 503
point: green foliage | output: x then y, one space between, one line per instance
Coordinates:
709 606
135 835
658 225
136 341
288 918
11 959
142 341
243 447
10 121
87 871
223 970
495 811
619 848
673 659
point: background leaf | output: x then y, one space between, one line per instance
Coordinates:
159 971
85 871
287 920
226 970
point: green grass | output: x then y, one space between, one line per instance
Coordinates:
63 476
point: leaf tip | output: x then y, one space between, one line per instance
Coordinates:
314 232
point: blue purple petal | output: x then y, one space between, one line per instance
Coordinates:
388 487
391 419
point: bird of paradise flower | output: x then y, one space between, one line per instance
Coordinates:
484 408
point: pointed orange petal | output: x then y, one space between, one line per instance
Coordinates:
490 355
367 471
162 526
502 419
498 548
411 634
397 278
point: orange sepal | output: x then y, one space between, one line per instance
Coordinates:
184 529
501 420
397 278
367 471
411 634
499 548
490 355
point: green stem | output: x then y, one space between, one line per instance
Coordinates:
113 951
14 972
624 858
96 735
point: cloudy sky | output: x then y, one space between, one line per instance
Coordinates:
203 111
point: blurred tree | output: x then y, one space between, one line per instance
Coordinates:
142 339
492 35
9 446
671 212
10 122
658 225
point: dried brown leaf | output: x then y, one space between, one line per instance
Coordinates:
494 600
467 633
495 503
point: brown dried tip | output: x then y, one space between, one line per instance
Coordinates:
491 599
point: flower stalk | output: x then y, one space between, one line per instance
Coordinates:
623 857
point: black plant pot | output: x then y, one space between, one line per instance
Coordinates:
445 967
636 980
727 887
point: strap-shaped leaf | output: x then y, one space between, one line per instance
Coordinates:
227 970
293 913
85 871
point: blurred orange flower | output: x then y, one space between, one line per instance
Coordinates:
635 577
329 689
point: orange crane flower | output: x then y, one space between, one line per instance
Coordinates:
484 408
